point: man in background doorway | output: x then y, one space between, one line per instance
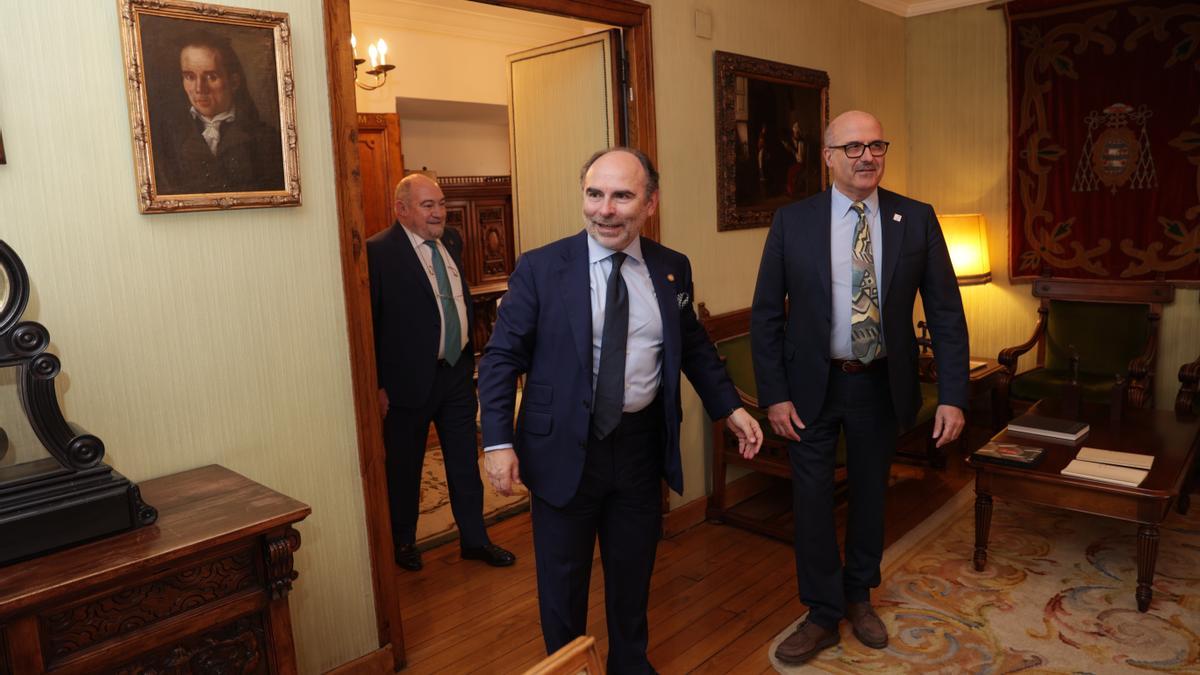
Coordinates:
425 366
835 354
600 323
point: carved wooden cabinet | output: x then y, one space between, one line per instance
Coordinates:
204 590
480 208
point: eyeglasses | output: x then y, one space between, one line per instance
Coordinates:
856 150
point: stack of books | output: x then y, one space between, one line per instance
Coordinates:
1110 466
1050 428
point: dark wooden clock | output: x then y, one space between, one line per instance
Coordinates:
71 495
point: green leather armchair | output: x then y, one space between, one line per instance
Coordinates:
1110 330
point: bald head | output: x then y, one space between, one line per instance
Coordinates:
421 206
855 177
404 187
850 118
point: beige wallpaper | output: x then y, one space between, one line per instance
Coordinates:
869 75
957 112
190 339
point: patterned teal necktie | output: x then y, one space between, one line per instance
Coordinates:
452 348
864 294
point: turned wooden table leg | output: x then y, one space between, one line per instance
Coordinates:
1147 555
983 521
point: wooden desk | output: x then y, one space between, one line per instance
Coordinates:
202 590
1172 440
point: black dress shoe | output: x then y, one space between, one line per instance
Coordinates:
490 554
408 557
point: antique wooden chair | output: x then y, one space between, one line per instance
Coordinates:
1109 329
1187 401
579 657
730 333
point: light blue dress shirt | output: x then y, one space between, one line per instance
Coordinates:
842 221
643 356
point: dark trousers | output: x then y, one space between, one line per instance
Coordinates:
619 500
860 406
451 408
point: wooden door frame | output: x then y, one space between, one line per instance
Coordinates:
634 18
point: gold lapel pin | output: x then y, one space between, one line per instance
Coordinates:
670 277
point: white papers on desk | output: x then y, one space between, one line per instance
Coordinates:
1105 473
1129 459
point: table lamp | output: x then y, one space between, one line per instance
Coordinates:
966 238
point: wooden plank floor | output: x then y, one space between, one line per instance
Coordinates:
718 596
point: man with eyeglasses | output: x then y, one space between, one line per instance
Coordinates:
835 354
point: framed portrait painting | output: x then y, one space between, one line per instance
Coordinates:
770 118
211 106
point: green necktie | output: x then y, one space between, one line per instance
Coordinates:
452 348
864 294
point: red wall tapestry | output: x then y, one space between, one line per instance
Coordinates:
1105 131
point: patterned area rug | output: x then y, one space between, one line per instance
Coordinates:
1057 596
435 525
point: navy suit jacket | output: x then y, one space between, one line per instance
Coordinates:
544 330
407 323
791 343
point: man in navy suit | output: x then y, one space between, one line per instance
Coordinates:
834 353
425 365
601 324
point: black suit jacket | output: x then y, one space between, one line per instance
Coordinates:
791 345
404 309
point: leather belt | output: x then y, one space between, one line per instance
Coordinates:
855 366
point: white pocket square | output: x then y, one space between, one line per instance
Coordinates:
682 299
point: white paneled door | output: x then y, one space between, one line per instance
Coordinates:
565 101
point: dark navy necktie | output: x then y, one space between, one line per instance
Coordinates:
610 380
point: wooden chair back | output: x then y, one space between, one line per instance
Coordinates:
579 657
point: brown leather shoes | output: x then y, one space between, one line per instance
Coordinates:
806 642
868 627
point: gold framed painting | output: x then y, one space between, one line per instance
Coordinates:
770 118
211 106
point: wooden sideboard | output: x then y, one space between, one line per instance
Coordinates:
480 208
204 590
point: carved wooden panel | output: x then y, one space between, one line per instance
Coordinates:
483 204
99 619
495 236
279 560
237 648
381 166
457 215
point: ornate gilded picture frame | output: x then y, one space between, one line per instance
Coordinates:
211 106
770 118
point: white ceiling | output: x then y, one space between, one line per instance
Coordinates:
907 8
463 13
472 20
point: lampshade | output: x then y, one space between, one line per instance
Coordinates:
966 238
